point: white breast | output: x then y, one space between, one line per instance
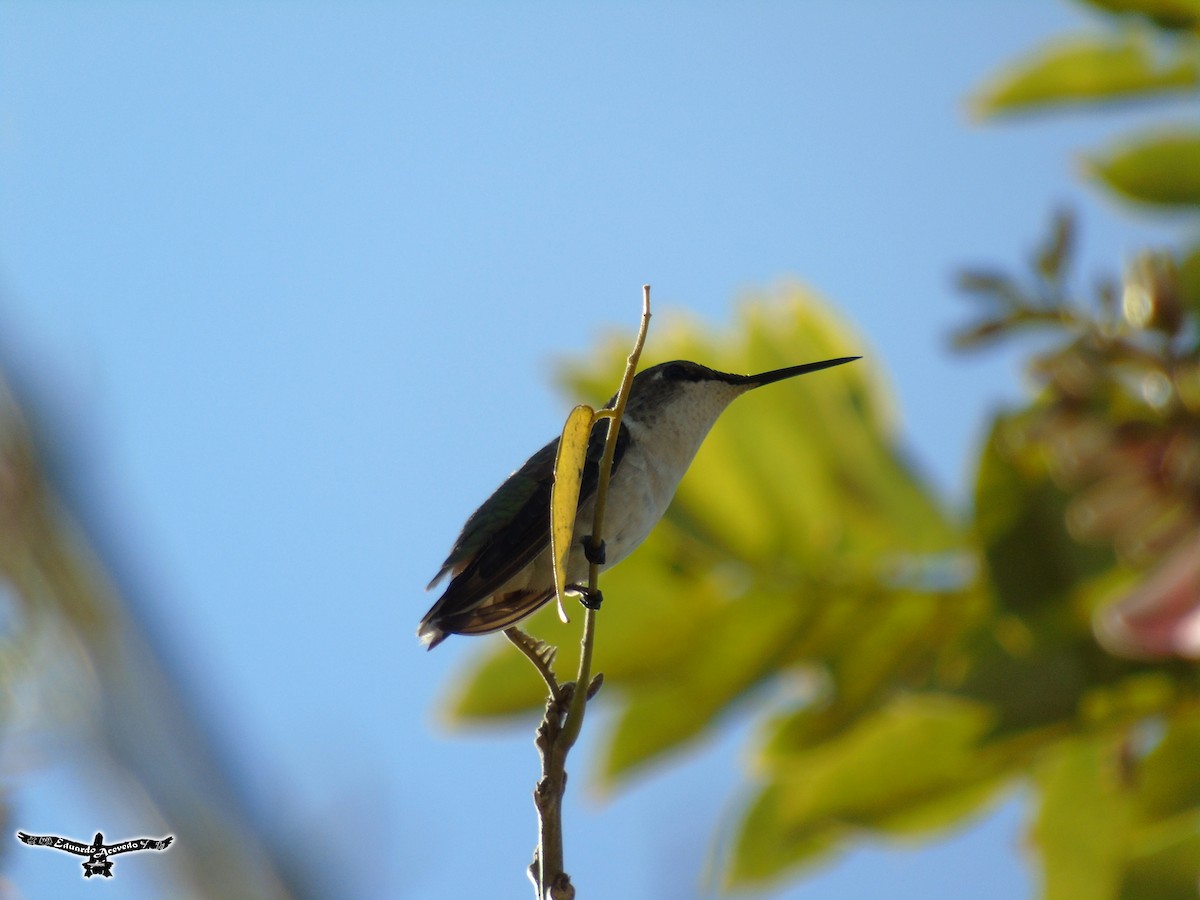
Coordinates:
655 461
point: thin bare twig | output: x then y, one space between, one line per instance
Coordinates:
575 714
540 654
561 725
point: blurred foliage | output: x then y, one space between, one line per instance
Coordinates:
1149 49
906 665
1152 49
1087 70
81 685
1160 168
1087 506
1170 15
1080 497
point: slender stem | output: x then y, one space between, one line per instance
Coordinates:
614 426
565 707
574 723
552 881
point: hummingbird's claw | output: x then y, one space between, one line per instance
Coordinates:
595 551
591 599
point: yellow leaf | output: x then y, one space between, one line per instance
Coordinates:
564 496
1083 71
1162 168
1082 827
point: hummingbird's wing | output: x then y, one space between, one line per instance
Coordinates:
486 527
506 534
53 842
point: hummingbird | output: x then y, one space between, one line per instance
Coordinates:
500 566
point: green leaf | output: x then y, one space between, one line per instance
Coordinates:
870 651
910 767
741 644
1168 870
1189 280
1168 779
1161 168
768 846
1020 517
1084 70
1027 690
1083 820
1171 14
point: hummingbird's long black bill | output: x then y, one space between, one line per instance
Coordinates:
792 371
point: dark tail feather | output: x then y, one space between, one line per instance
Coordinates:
482 619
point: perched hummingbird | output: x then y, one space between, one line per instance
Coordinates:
500 565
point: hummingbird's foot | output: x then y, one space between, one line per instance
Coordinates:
591 599
595 551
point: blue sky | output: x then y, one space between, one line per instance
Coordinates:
288 282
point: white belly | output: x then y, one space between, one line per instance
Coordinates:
640 490
638 495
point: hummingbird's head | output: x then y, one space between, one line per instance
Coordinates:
689 391
679 381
